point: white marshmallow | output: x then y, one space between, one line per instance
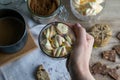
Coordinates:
99 1
46 44
90 12
76 3
98 9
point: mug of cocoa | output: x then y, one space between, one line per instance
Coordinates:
46 11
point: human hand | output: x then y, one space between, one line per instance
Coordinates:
78 62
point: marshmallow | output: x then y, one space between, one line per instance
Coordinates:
63 51
89 7
98 9
60 51
57 51
47 33
68 39
76 2
94 10
57 41
90 12
99 1
67 44
62 28
60 39
46 45
52 31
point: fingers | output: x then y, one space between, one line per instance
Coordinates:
90 39
70 25
80 33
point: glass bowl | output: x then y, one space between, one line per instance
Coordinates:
78 15
42 37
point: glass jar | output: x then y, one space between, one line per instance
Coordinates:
85 17
60 14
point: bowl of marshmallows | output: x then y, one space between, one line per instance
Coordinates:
56 40
87 9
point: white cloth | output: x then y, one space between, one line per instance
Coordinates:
25 67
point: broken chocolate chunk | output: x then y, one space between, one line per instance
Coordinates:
118 35
105 70
97 68
117 49
109 55
113 74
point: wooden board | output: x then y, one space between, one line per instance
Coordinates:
29 46
96 53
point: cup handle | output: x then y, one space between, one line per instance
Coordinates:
63 14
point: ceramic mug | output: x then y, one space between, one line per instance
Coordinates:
13 31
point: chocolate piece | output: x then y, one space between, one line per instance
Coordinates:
118 35
97 68
113 74
109 55
42 74
91 70
117 49
105 70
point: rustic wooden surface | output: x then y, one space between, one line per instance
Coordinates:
110 15
96 54
29 46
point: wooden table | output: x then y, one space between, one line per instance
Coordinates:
110 15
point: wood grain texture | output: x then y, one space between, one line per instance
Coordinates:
29 46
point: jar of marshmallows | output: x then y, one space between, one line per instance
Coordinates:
87 9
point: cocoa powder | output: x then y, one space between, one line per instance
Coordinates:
43 7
